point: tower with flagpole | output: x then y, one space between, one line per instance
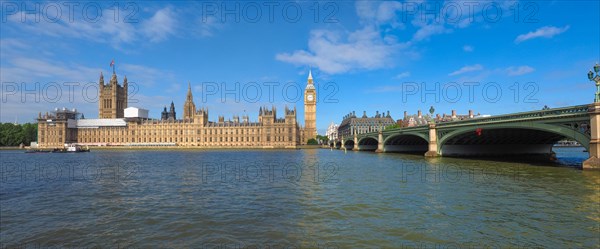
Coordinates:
112 65
112 97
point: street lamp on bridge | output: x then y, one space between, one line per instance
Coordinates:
596 78
431 117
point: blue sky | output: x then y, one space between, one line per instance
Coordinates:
365 56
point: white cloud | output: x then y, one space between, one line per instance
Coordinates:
387 11
160 26
379 13
516 71
545 32
402 75
26 69
445 20
468 48
366 10
145 76
336 52
103 30
42 85
10 44
476 76
370 47
41 78
23 69
427 31
466 69
208 26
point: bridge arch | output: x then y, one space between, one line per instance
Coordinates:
507 139
349 144
367 143
406 142
338 144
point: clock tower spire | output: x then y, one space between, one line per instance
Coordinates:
310 109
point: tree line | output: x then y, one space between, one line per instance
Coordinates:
15 134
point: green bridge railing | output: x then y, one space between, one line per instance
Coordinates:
554 112
570 110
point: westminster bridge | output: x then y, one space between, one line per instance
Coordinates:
525 133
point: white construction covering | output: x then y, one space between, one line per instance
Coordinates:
95 123
134 112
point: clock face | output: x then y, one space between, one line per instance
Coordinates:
310 97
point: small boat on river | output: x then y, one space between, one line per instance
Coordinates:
69 148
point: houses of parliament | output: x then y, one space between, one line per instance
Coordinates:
119 125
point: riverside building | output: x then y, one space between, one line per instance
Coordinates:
119 125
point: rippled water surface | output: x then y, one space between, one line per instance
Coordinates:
294 198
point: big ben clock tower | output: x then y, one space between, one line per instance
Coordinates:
310 109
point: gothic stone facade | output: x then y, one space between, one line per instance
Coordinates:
351 124
112 98
310 110
53 131
194 130
268 132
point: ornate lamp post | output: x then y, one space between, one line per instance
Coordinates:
431 111
594 149
596 79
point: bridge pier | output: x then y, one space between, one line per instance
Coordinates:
355 148
593 163
433 145
380 143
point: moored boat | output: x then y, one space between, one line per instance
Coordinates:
71 148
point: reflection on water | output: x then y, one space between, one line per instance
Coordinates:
571 156
301 198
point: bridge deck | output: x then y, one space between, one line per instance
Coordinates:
563 112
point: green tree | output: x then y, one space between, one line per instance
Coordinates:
14 135
10 134
29 133
394 126
312 141
323 138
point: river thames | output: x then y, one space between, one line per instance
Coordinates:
294 199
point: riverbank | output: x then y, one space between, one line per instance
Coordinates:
92 148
